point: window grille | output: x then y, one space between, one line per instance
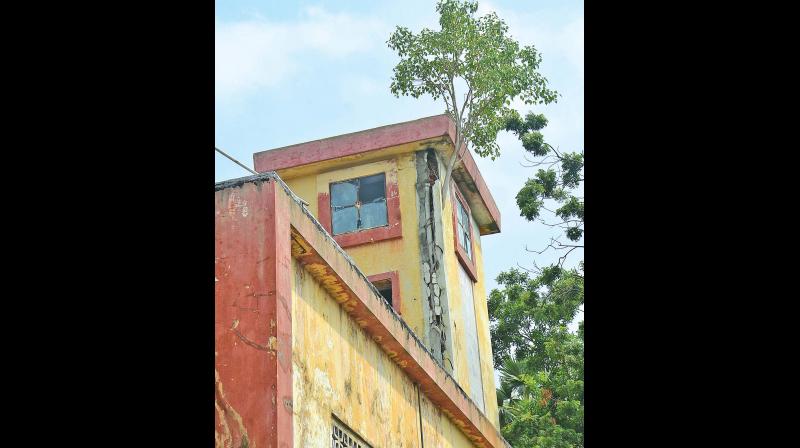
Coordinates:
343 437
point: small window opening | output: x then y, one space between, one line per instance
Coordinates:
385 289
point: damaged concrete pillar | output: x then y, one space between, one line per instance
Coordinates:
434 276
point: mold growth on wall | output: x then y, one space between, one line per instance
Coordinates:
340 372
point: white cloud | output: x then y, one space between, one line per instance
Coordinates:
571 42
258 53
552 41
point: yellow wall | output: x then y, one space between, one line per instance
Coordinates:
481 317
484 337
403 255
338 370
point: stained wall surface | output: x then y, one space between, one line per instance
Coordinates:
252 337
399 254
302 339
462 329
339 371
470 339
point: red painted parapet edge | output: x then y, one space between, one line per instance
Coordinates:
394 277
253 322
351 144
337 273
371 140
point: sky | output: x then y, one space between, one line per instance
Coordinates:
288 72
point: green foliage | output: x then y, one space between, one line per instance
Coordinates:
528 309
475 53
533 141
540 361
540 397
549 184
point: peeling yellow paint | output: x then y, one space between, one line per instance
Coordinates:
339 370
403 255
273 343
460 372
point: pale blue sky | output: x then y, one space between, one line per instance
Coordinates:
292 71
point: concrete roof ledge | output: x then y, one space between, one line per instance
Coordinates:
466 175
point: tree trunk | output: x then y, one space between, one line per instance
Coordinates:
451 164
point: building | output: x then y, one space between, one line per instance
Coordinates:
350 306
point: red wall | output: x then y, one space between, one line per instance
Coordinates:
253 356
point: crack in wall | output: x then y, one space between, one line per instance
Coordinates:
431 249
273 341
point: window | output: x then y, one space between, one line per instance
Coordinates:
463 229
388 285
344 437
385 288
359 204
462 234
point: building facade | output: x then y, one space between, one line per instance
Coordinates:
350 298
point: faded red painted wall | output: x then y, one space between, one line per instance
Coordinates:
252 317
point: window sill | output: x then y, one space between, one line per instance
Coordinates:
468 265
369 236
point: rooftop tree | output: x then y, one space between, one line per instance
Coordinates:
476 68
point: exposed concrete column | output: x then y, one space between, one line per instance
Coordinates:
434 276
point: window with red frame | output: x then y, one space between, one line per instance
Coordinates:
462 218
358 204
387 284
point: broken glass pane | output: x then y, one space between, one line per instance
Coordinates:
372 188
373 215
344 193
345 219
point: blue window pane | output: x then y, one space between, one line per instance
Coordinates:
372 188
344 219
463 229
373 215
463 218
344 193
